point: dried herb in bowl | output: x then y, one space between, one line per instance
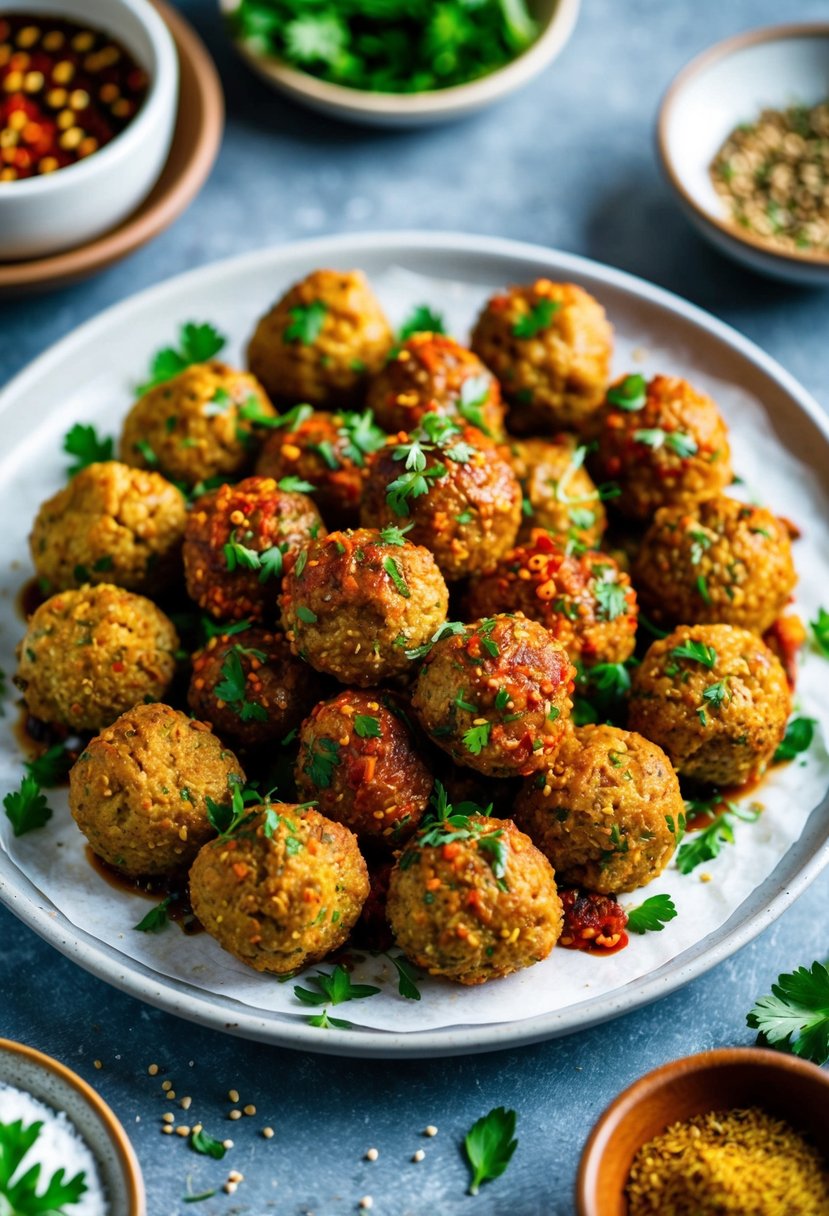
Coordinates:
388 46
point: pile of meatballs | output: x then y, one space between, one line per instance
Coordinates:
409 556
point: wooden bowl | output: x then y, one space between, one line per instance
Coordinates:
726 1079
196 141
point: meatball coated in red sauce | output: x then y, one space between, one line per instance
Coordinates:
432 373
251 688
496 695
586 601
329 452
466 504
356 606
358 761
239 540
667 444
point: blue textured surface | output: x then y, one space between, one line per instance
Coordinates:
570 163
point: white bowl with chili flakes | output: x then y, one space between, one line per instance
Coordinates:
725 91
46 205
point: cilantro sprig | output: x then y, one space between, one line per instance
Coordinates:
83 443
422 319
434 435
820 631
652 915
19 1191
629 394
196 344
706 844
445 823
27 808
537 319
332 988
51 768
798 738
306 322
795 1017
677 441
157 919
232 687
490 1144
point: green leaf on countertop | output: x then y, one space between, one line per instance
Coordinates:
796 1016
490 1144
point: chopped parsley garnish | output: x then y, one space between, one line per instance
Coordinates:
396 575
700 541
332 988
652 915
306 614
232 688
407 977
296 485
362 436
268 562
612 600
306 322
434 434
446 630
421 320
228 818
796 1016
536 320
820 631
714 697
196 344
697 652
706 844
629 394
474 396
680 443
477 737
19 1189
444 823
490 1144
394 535
366 726
50 769
702 588
798 738
602 493
83 443
200 1142
156 919
320 761
27 808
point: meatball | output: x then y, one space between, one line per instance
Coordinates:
715 698
606 812
358 762
474 909
283 893
559 493
718 561
431 373
111 524
89 655
197 427
358 605
139 790
664 444
586 602
550 346
251 688
459 497
321 341
495 695
238 541
372 931
329 452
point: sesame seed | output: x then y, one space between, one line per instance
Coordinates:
165 1085
227 1144
235 1176
233 1095
234 1114
419 1155
267 1132
230 1188
167 1129
168 1117
185 1103
153 1070
366 1203
182 1130
431 1130
197 1127
372 1154
250 1109
97 1063
171 1094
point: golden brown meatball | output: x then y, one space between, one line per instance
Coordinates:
586 602
359 763
111 524
321 341
139 790
432 373
283 893
607 811
475 908
460 497
715 698
89 655
559 493
198 426
239 540
358 605
663 443
495 695
718 561
550 345
329 452
250 687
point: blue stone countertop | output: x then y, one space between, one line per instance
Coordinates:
570 163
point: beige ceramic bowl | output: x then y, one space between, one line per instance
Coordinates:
59 1087
556 19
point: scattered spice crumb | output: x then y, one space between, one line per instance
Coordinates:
186 1103
431 1130
250 1109
227 1143
229 1188
366 1203
235 1176
419 1155
167 1129
153 1070
171 1094
97 1063
197 1127
168 1117
234 1114
182 1130
372 1154
166 1085
233 1095
267 1132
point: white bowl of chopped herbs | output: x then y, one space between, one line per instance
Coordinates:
743 136
399 62
62 1151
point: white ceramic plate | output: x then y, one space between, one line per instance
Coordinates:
782 442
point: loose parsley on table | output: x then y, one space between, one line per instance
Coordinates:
19 1190
83 443
705 844
332 988
196 344
156 919
652 915
407 977
200 1142
27 808
798 738
490 1144
796 1016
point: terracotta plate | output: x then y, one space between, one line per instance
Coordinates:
196 142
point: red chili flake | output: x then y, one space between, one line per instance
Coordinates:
592 922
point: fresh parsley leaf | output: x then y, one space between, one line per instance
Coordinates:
477 737
396 575
796 1016
706 844
362 436
697 652
407 977
20 1197
715 695
306 614
333 988
820 631
296 485
490 1144
612 600
198 1198
393 535
798 738
200 1142
536 320
321 758
655 437
422 319
474 396
629 394
366 726
27 808
50 769
446 630
306 323
197 344
652 915
82 442
271 563
156 919
228 818
232 687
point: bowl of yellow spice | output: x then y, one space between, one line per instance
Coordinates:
732 1132
743 137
